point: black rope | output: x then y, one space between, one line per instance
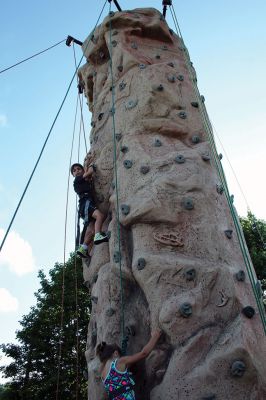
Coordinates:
34 55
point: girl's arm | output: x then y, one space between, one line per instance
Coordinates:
125 361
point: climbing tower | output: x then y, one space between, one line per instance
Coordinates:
176 255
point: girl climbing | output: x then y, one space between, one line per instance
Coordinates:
115 376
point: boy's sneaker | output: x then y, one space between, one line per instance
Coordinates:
81 252
100 237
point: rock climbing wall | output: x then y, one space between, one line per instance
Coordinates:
182 267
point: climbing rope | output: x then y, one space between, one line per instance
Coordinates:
123 339
208 127
48 135
34 55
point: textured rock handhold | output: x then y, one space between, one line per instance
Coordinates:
232 197
171 31
111 13
180 159
122 85
219 188
190 274
112 111
120 68
202 98
164 47
248 311
141 263
131 104
94 299
182 114
114 43
109 312
223 300
171 78
128 164
92 124
118 136
115 33
195 104
142 66
144 169
187 203
158 56
195 139
209 397
240 276
220 156
124 149
206 157
117 257
157 143
171 64
169 238
180 78
100 116
185 310
229 233
158 88
125 209
238 369
134 45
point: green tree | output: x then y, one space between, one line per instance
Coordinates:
34 371
255 234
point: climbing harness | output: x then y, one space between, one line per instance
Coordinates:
219 168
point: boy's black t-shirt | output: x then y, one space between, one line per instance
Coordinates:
82 187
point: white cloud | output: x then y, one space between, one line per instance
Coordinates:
17 254
7 301
3 120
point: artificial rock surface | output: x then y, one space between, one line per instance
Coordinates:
178 263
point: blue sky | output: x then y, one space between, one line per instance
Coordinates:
226 41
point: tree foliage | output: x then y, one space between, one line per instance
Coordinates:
34 371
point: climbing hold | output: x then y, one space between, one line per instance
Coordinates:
131 104
120 68
116 257
144 169
157 143
124 149
162 18
142 66
100 116
128 164
182 114
180 159
111 13
112 111
118 136
101 55
164 47
109 312
223 300
130 330
92 124
238 368
209 397
171 31
185 310
195 139
171 64
240 276
112 88
125 209
220 156
114 43
94 299
159 88
180 78
228 233
115 33
232 197
187 203
134 45
171 78
141 263
158 56
122 85
206 157
190 274
219 188
248 311
195 104
202 98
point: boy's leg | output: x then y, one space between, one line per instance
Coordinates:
85 247
100 237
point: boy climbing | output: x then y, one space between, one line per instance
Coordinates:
83 186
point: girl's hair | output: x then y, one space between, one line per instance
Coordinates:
105 351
